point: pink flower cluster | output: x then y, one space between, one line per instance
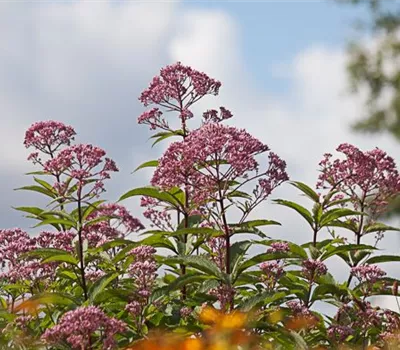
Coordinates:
367 273
370 175
185 312
278 247
14 243
48 136
80 162
176 89
210 154
179 82
154 119
76 327
339 333
272 271
298 308
159 218
134 308
59 240
217 246
224 294
212 115
117 223
313 269
143 270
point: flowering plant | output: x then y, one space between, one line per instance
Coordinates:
95 279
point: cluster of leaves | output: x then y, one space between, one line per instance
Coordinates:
103 289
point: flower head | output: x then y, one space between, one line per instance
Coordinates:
175 89
175 81
212 153
143 270
48 136
278 247
212 115
313 268
117 223
367 273
82 163
76 327
370 177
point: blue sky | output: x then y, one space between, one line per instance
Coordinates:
275 31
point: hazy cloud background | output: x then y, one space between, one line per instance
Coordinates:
86 62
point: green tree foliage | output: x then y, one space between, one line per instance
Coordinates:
374 67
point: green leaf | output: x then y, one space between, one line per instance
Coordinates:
164 136
198 262
189 231
67 258
192 220
44 184
153 193
38 189
324 290
379 227
255 223
100 284
183 280
149 164
44 253
308 191
31 210
90 208
158 242
297 207
335 214
55 299
263 298
56 221
300 342
237 252
383 259
348 224
345 248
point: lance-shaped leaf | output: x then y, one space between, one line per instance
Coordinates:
57 221
264 298
191 221
345 248
379 227
334 214
100 285
38 189
329 290
308 191
188 231
153 193
66 258
164 135
237 252
44 253
149 164
55 298
200 263
31 210
383 259
297 207
183 280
